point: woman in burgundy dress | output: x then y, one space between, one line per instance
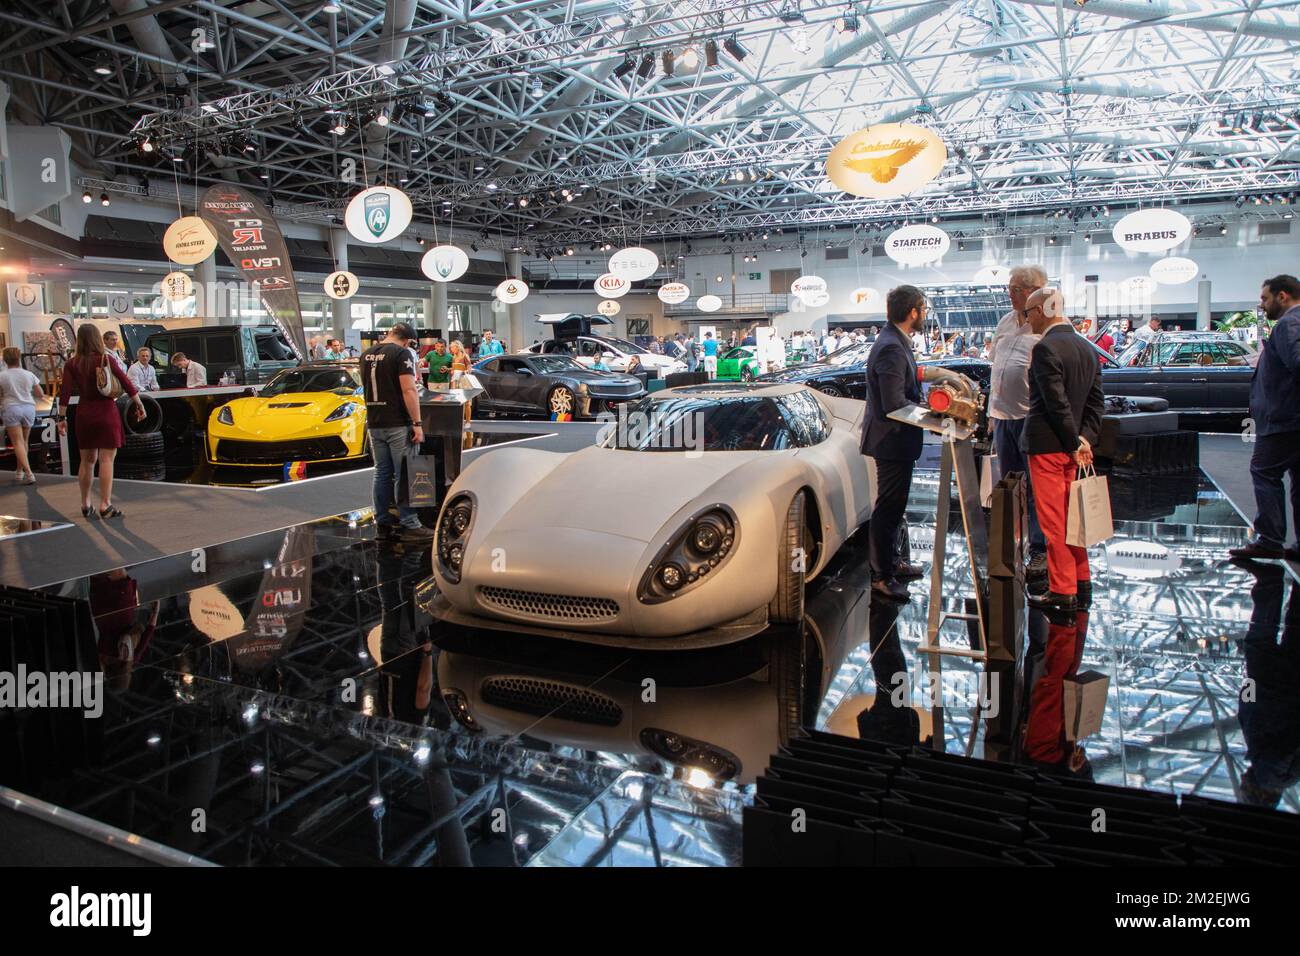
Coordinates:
99 425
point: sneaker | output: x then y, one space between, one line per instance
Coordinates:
416 535
908 571
890 588
1051 600
1037 565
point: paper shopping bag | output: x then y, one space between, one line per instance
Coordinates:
1085 704
986 481
1089 520
418 487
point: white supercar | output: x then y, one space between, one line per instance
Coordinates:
695 521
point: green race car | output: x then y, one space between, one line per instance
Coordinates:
738 365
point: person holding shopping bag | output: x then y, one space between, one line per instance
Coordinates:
1064 420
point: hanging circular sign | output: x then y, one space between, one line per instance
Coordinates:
865 299
708 303
378 214
512 291
341 285
188 241
674 293
804 286
445 263
611 286
993 275
634 263
1138 286
609 307
1152 230
815 300
177 286
886 160
917 245
1141 559
1173 270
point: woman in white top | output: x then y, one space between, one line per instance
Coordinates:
19 392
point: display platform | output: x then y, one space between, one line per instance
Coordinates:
295 692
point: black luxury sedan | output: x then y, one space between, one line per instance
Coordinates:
551 385
844 373
1200 374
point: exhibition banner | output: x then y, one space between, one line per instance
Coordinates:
252 240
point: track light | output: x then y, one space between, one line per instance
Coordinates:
419 240
146 145
735 48
711 53
647 66
381 118
1223 229
87 198
332 7
668 62
1239 122
523 202
103 65
791 12
624 68
849 22
340 125
103 199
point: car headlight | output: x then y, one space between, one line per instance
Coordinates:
453 531
225 415
695 756
343 411
458 706
699 548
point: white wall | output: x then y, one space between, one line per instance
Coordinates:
543 303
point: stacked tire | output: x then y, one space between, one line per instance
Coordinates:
141 456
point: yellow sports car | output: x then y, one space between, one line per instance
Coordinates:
315 412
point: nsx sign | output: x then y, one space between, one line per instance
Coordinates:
252 239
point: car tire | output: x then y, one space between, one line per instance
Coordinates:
141 447
787 605
561 401
833 391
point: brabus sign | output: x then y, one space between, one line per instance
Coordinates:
1152 230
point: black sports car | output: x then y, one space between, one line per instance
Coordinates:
551 385
842 374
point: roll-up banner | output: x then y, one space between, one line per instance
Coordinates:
253 242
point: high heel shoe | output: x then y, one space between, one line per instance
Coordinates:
88 513
110 512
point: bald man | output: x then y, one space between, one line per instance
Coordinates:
1064 421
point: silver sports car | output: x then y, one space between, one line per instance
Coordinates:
694 521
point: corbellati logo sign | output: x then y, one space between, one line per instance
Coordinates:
886 160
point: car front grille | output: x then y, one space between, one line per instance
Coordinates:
605 390
531 695
549 607
279 452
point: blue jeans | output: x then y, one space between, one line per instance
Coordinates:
1006 444
1273 457
388 446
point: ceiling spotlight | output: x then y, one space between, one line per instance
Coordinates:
791 12
103 199
332 7
647 66
523 202
146 145
624 68
569 251
711 53
735 48
382 118
849 22
1223 229
491 187
668 62
103 65
1239 122
86 197
535 89
340 125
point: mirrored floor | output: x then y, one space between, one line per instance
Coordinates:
290 694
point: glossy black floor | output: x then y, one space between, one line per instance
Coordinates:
285 700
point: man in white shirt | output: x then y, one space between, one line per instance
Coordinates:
141 373
1149 331
111 346
828 342
1009 351
196 376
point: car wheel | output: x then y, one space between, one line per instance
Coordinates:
834 391
791 566
560 401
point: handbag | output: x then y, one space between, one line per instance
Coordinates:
106 382
418 487
1089 521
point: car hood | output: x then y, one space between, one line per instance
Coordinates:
598 378
304 404
634 493
801 373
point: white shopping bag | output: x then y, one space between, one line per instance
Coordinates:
1089 520
986 481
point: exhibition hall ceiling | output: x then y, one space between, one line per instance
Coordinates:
541 124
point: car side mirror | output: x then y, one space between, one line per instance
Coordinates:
523 371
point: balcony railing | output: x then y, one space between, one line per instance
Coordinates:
747 303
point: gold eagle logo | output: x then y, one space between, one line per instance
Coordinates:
884 168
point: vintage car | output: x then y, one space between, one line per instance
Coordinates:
1199 373
696 520
315 412
551 385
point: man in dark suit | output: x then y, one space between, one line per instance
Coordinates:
892 383
1275 414
1064 420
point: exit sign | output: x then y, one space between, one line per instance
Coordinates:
755 276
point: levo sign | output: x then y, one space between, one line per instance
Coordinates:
445 263
611 286
378 214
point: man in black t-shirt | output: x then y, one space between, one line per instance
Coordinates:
393 424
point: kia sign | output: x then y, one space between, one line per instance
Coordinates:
341 285
708 303
188 241
609 307
886 160
674 293
1173 270
177 286
378 214
993 275
445 263
805 286
865 299
1152 230
611 286
512 291
634 263
917 245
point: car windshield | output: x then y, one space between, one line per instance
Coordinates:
310 380
556 363
849 355
719 423
1129 355
625 347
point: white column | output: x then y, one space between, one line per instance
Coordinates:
439 319
207 303
1203 304
342 307
516 339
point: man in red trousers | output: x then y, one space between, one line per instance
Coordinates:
1065 407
